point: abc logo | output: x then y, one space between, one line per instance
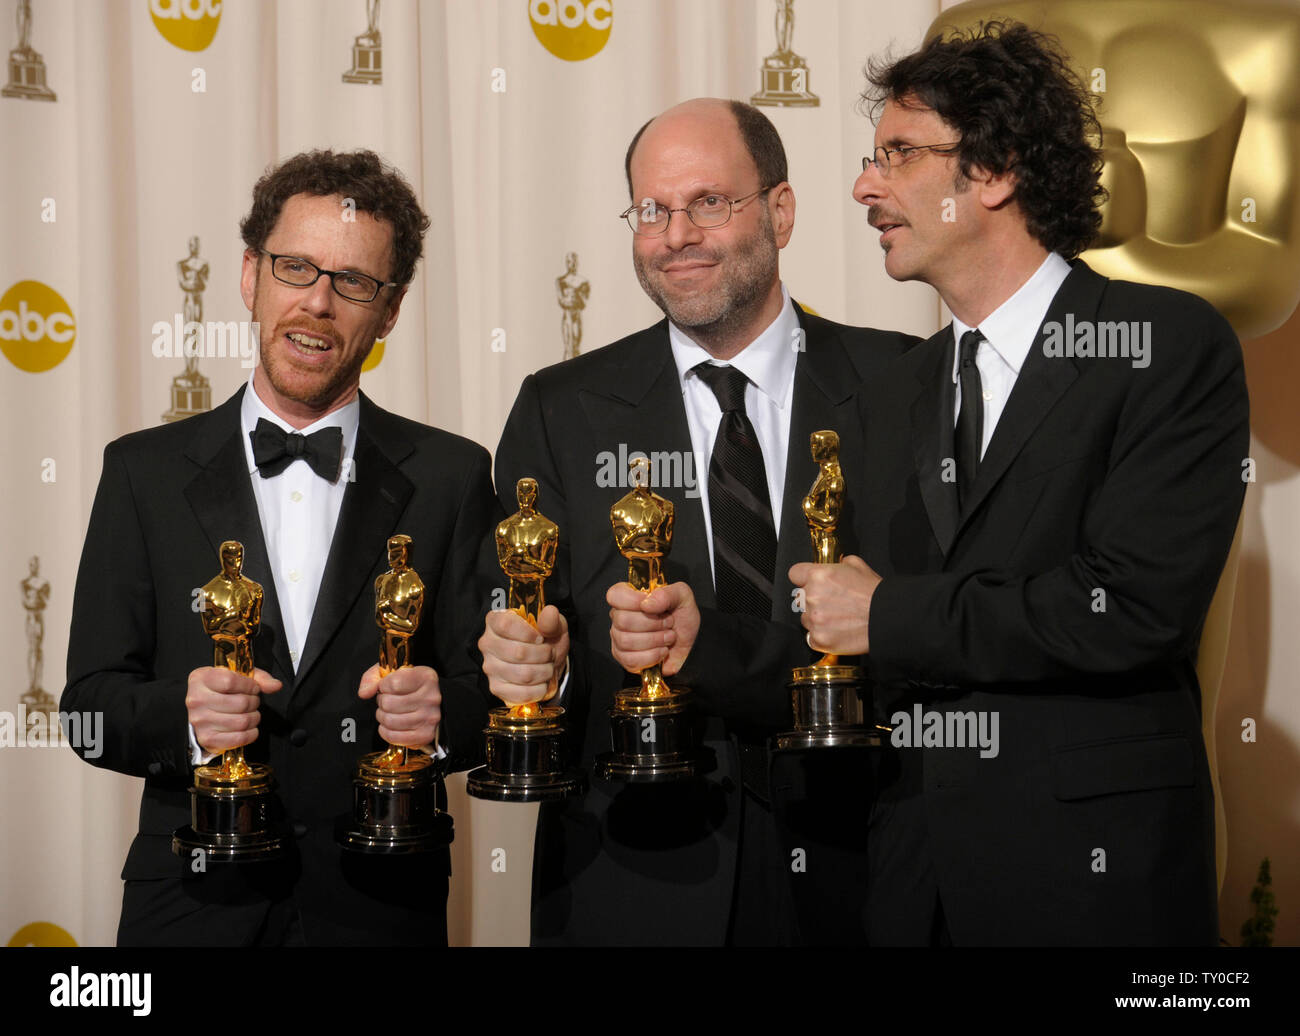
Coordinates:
37 330
571 29
41 933
188 24
376 356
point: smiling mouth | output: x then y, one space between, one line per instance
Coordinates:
309 344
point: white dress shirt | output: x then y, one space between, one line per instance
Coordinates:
298 511
1008 333
769 363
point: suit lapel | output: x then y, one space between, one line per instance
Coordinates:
221 497
639 404
1041 382
372 505
825 389
932 436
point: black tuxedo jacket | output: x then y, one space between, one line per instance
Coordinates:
657 864
1067 598
167 498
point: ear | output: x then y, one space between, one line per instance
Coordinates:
390 317
780 204
248 277
993 189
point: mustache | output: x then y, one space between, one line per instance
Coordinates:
311 327
692 255
877 216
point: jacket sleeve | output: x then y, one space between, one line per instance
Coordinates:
111 647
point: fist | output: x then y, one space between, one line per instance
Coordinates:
656 627
408 704
524 664
222 706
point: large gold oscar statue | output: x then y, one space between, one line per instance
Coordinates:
827 696
231 807
394 807
655 734
525 742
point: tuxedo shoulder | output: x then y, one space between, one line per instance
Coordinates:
169 439
864 340
427 439
598 362
1156 302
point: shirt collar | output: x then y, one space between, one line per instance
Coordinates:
768 361
1011 328
347 418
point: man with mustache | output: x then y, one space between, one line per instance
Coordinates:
1050 516
727 389
312 478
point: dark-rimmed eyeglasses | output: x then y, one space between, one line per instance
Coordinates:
880 158
353 286
708 212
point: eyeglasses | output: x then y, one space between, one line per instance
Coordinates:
881 160
708 212
356 287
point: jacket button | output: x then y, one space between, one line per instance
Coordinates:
155 769
298 738
299 830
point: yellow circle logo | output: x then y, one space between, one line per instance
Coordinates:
376 356
188 24
41 933
37 329
571 29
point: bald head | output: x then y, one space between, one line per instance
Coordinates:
725 123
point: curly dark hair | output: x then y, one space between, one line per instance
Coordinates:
1011 95
360 175
761 141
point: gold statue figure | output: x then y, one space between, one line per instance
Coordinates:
232 611
399 599
643 531
823 506
526 547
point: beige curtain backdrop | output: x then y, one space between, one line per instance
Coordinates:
513 133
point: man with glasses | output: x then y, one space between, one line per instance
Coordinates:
723 395
312 478
1055 480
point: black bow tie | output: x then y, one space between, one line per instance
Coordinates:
274 449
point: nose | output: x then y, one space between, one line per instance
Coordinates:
682 232
869 187
319 299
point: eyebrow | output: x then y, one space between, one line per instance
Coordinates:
344 269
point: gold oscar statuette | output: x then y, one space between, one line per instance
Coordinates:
394 802
525 750
827 695
655 736
231 805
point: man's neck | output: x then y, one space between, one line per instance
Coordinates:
727 342
986 281
291 412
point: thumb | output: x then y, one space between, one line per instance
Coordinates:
856 563
551 623
266 683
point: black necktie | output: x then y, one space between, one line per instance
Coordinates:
740 511
969 436
274 449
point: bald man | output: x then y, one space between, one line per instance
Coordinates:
706 861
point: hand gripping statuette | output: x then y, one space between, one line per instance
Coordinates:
827 695
525 742
231 804
655 735
394 792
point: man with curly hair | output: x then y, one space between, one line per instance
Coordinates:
1056 479
312 478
